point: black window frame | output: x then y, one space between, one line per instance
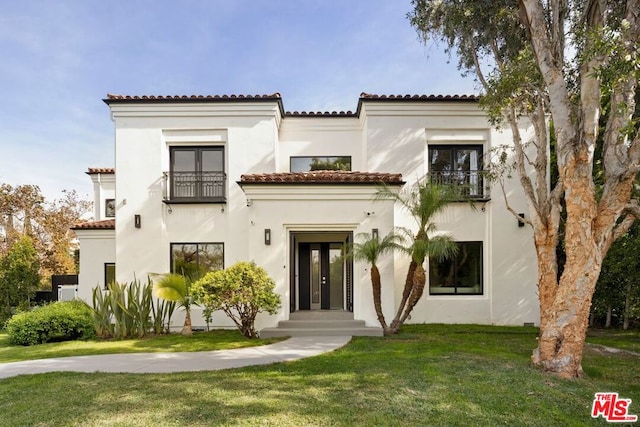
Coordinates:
198 244
107 266
455 289
202 181
318 157
472 180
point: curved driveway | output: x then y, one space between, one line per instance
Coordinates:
284 351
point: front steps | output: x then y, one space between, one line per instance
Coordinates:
321 323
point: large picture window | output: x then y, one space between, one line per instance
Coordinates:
194 260
458 165
319 163
197 174
461 275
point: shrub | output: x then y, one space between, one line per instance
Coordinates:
241 291
60 321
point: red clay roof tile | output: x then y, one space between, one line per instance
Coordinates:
106 224
322 177
92 171
115 97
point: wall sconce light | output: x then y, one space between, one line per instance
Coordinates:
521 223
267 236
137 221
374 233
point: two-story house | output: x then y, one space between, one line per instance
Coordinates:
201 182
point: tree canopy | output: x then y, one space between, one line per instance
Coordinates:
559 66
25 212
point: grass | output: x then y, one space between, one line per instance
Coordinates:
616 338
200 341
440 375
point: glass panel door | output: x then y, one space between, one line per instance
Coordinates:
316 279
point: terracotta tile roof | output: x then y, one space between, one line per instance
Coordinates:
322 177
364 97
92 171
106 224
369 96
190 98
320 114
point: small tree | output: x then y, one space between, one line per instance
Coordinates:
19 277
175 287
369 250
241 291
423 201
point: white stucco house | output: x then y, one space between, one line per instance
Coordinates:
202 182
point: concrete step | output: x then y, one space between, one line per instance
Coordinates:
317 332
321 324
321 315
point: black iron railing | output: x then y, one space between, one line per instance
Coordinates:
470 182
195 186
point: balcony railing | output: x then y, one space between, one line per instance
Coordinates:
195 187
471 182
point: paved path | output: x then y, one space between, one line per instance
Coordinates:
291 349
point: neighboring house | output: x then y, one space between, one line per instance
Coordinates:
204 182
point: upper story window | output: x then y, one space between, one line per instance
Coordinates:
320 163
197 175
459 165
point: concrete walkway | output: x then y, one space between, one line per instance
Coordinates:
284 351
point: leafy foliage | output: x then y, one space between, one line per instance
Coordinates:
25 212
19 277
59 321
618 288
241 292
175 288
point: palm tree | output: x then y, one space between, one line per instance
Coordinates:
175 287
424 200
369 250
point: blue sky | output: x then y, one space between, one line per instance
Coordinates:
60 59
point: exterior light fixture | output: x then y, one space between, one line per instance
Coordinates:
521 223
137 221
267 236
374 233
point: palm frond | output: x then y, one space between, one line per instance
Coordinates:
171 287
370 248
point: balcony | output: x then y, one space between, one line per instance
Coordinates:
470 182
195 187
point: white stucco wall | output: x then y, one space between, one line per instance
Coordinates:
104 187
97 247
386 137
399 137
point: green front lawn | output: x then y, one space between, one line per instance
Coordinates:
440 375
200 341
